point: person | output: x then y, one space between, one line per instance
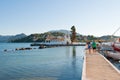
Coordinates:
94 45
89 47
99 46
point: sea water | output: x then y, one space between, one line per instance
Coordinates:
58 63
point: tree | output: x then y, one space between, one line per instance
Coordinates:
73 30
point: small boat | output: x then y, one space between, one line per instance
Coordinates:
113 55
106 47
116 46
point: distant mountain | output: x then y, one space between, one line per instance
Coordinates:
37 37
11 37
4 38
63 31
41 37
18 36
107 37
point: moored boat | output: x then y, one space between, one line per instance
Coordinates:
116 46
113 55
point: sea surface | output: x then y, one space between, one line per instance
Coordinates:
58 63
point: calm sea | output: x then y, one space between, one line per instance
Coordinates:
58 63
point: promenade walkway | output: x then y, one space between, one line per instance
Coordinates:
99 68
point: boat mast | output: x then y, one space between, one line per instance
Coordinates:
115 31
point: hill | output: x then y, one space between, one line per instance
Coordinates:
38 37
63 31
41 37
107 37
9 38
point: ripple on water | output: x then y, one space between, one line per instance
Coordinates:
61 63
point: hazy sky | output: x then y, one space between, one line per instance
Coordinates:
90 17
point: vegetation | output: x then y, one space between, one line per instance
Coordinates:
73 36
37 37
79 38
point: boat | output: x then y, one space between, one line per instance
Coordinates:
116 43
113 55
106 47
116 46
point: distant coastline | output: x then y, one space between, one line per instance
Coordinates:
40 37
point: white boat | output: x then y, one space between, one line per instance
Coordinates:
115 56
116 46
106 46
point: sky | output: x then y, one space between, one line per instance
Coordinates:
90 17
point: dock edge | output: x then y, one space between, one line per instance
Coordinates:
84 68
110 63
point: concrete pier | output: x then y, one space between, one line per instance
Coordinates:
97 67
51 45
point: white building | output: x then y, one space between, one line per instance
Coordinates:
58 40
67 39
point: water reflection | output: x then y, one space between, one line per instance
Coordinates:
74 56
70 52
74 51
67 52
75 63
59 63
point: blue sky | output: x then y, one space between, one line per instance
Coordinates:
90 17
